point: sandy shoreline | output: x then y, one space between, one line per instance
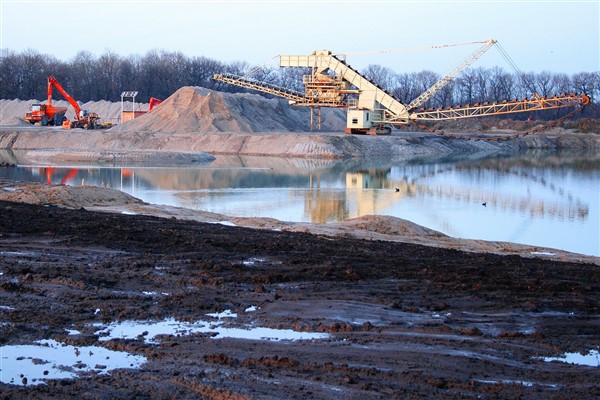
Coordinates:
368 227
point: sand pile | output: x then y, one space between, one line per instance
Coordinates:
66 196
196 109
14 121
387 225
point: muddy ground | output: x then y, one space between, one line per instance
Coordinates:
405 320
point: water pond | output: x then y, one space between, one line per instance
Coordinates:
549 199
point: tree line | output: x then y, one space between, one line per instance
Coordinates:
159 73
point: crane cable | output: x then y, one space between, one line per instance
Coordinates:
258 68
443 46
508 59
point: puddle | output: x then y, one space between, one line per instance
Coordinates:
49 359
513 382
591 359
542 253
226 223
149 330
224 314
6 308
252 261
251 309
17 253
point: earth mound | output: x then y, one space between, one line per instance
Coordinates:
388 225
196 109
14 121
64 196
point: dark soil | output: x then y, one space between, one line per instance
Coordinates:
406 321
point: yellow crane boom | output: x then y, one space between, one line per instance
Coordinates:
536 103
426 95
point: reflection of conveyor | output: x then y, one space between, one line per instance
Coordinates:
522 204
372 192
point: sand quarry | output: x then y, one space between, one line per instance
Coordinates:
195 120
200 305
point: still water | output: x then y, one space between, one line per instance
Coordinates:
544 199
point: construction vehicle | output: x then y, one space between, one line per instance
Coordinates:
153 102
47 114
131 115
371 110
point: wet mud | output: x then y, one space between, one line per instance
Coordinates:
402 320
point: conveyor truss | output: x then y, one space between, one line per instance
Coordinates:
371 109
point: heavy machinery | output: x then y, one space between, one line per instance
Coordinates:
153 102
133 114
372 110
47 114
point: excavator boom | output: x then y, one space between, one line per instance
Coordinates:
153 102
53 82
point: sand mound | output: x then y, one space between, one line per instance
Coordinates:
387 225
196 109
14 121
66 196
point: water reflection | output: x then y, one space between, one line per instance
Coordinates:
548 199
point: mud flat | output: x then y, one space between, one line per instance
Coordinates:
191 309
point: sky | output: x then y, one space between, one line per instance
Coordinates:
554 36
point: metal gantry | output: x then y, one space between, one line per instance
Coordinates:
371 109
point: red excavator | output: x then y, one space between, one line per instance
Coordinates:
153 102
47 114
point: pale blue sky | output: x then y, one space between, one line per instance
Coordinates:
556 36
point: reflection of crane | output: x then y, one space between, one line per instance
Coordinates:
371 109
50 171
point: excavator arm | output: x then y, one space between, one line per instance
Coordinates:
153 102
53 82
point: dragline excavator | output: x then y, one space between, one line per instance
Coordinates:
47 114
371 109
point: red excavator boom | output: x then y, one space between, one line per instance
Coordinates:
153 102
53 82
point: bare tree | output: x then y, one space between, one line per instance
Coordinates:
545 84
159 73
382 76
501 85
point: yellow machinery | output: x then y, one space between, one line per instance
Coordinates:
333 83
